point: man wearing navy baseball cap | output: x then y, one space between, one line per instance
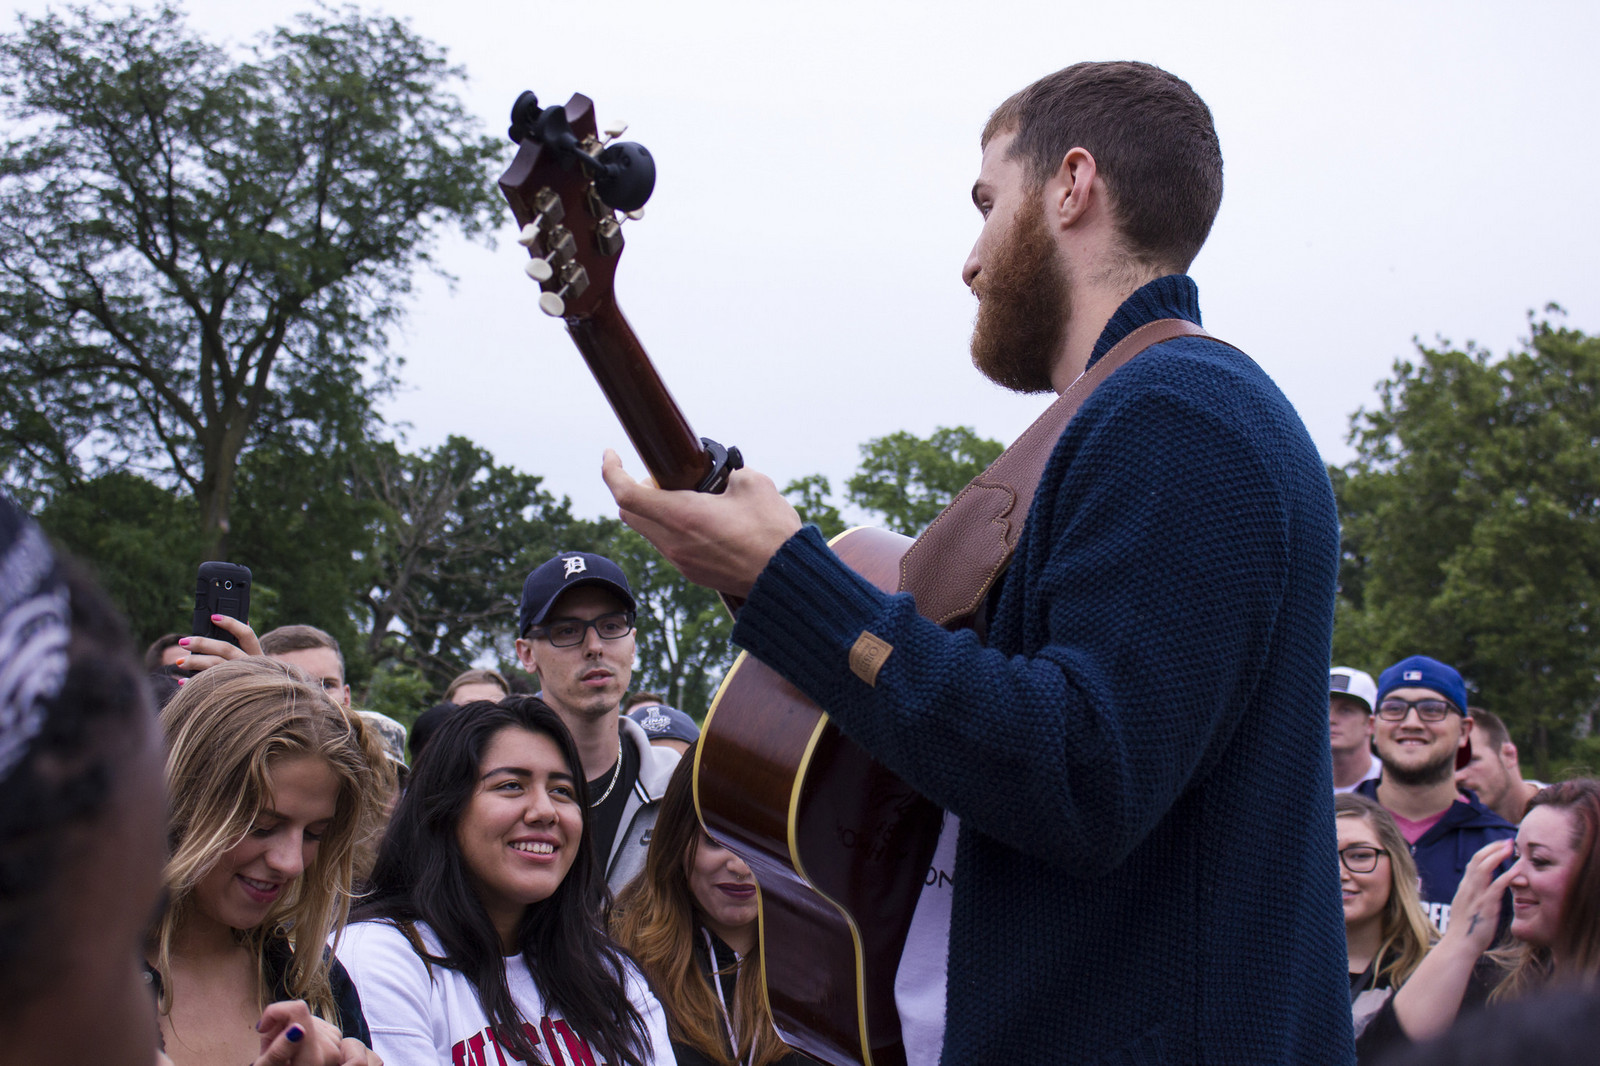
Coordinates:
1423 733
575 630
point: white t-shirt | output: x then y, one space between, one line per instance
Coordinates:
1374 771
418 1019
919 983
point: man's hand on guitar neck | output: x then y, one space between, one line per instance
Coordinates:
720 541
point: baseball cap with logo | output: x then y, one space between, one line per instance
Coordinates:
566 571
1419 671
1356 684
665 723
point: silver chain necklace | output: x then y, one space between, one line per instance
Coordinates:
615 774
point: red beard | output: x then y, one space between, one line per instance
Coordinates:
1024 301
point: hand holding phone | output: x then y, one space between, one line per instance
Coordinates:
221 605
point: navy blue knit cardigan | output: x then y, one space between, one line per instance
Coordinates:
1139 756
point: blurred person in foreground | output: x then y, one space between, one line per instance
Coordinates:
82 826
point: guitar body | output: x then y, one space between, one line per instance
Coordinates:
839 845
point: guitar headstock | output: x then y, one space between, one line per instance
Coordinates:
566 188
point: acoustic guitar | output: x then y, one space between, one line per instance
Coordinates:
839 845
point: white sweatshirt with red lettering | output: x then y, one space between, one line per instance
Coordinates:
423 1017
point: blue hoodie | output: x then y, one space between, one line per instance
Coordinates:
1442 853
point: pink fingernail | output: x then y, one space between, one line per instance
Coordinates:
218 617
183 642
182 681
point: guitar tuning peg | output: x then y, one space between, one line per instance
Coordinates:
539 270
614 130
636 214
529 234
574 280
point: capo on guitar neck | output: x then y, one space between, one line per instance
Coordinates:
724 461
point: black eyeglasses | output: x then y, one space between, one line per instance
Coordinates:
1360 858
567 632
1432 709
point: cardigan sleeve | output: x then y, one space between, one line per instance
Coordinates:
1151 572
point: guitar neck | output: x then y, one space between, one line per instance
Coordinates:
660 433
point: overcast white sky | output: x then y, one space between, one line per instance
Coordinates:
1394 170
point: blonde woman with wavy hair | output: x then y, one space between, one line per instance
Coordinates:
1387 932
273 785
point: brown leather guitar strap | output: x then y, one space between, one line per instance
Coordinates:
958 558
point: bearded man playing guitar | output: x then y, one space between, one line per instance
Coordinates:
1135 748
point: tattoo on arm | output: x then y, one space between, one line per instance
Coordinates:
1473 925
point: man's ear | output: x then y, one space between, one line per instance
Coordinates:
1071 190
1466 731
1508 753
525 656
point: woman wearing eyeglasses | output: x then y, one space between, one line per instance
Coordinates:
1387 933
1554 882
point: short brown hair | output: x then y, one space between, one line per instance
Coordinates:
476 677
1491 729
1153 142
299 638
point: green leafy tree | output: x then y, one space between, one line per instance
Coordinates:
811 497
908 480
1472 529
141 541
309 540
683 629
455 536
196 246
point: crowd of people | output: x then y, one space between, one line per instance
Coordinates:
1451 903
1140 855
330 899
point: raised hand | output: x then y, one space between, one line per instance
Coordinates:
204 652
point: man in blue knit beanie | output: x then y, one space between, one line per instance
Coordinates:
1133 757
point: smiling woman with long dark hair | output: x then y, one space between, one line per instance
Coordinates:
483 929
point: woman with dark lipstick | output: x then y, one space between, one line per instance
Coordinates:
482 939
690 921
273 785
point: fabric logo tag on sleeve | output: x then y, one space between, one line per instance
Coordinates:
867 656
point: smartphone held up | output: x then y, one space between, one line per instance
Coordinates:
221 588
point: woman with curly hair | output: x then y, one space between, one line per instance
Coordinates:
272 787
690 921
